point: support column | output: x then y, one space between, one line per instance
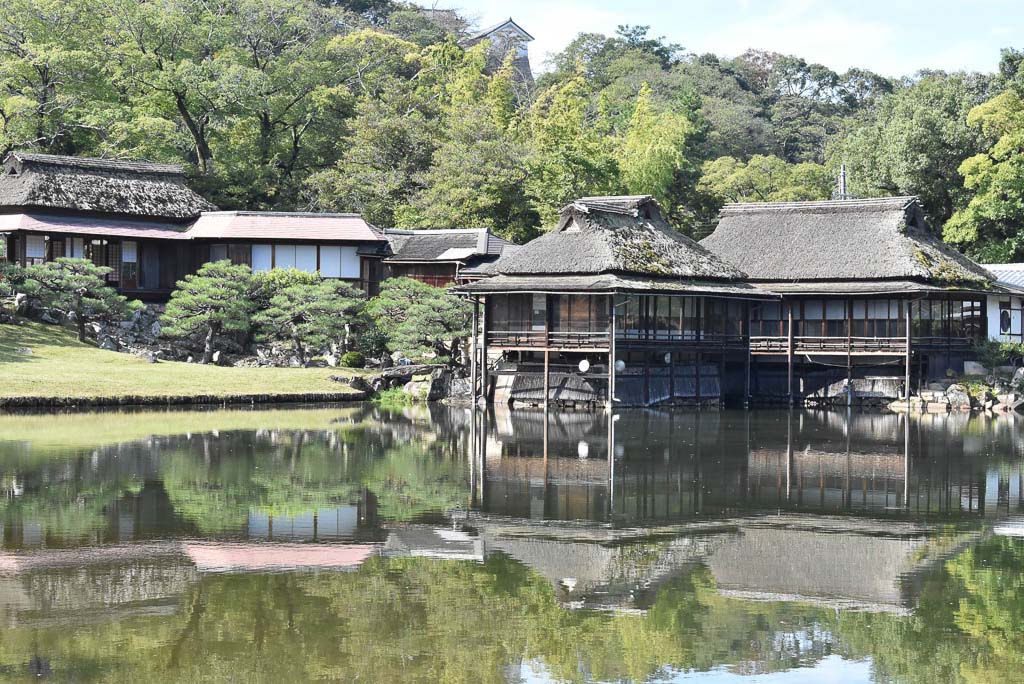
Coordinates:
547 380
483 355
849 352
906 385
611 355
474 348
789 351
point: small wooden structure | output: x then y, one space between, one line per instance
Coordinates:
444 257
612 306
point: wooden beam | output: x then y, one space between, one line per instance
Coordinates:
547 384
483 355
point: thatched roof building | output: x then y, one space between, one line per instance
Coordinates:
841 246
609 244
98 186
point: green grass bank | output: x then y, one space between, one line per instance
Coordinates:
44 365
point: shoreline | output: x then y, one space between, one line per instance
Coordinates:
182 400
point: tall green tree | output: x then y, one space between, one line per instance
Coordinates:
765 179
209 304
989 226
653 149
309 317
917 143
571 155
418 318
79 288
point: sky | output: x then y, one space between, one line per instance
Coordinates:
891 37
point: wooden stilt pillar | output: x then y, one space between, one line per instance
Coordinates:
789 353
696 376
483 354
547 382
611 355
746 378
474 349
906 384
721 377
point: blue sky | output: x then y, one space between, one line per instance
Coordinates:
892 37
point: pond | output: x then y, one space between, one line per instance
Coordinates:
357 544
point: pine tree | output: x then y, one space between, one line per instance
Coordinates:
419 318
78 287
210 303
308 317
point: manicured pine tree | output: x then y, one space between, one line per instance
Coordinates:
417 318
79 287
210 303
309 316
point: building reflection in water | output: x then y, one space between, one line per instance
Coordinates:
674 466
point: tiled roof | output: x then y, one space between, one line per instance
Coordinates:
1008 274
444 245
83 225
255 225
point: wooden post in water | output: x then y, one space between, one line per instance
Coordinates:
547 383
789 352
474 348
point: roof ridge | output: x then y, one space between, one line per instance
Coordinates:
901 200
99 163
287 214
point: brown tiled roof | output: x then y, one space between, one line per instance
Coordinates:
257 225
85 225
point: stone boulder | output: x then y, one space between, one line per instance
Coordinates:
958 397
974 368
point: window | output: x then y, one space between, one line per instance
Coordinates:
1005 320
330 261
305 258
35 248
284 256
349 262
76 248
218 252
540 312
129 264
262 258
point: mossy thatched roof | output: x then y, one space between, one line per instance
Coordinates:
868 239
102 186
622 235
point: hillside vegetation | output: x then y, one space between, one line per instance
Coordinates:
378 107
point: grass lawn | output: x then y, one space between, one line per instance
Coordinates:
61 366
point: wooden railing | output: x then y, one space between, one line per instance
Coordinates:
599 340
829 345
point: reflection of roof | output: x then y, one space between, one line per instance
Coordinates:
240 556
774 562
259 225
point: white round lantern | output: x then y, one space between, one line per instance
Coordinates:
584 366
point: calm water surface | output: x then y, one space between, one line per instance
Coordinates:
355 544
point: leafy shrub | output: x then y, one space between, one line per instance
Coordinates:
353 359
268 284
991 353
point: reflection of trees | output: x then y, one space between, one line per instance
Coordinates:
217 482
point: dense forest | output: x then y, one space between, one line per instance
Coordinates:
376 106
